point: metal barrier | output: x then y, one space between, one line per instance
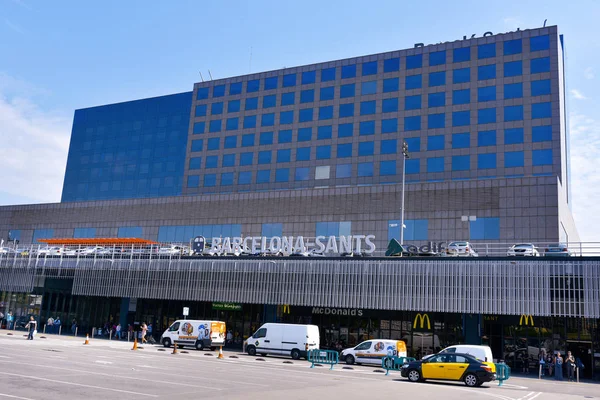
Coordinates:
329 357
502 373
394 363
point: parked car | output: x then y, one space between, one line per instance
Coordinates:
175 250
7 251
523 249
50 251
557 250
283 339
461 249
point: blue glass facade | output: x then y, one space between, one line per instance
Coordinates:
130 150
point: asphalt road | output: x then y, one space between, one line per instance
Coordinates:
64 368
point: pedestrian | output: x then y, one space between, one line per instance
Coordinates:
9 320
50 325
558 363
229 338
144 330
570 363
525 361
57 325
542 361
550 364
118 331
74 326
32 327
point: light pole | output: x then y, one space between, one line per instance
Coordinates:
405 155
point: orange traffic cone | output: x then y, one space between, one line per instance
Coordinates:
134 344
174 348
87 339
220 353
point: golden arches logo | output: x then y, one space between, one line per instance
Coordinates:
285 309
423 318
528 318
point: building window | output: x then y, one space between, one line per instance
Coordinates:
413 166
416 229
199 128
245 178
200 110
487 93
486 161
391 65
284 155
486 116
270 230
513 47
541 133
461 96
349 71
347 90
269 101
461 118
327 93
462 75
541 110
513 68
195 163
387 167
346 110
248 139
288 99
131 231
435 142
246 159
389 125
513 90
289 80
263 176
215 126
461 140
211 162
282 174
303 154
270 83
227 179
461 163
219 91
513 136
233 106
484 229
366 148
539 65
202 93
437 58
367 107
228 160
435 164
485 72
301 174
436 121
391 85
412 102
345 130
414 82
216 108
250 121
323 152
307 96
309 77
414 144
514 159
540 88
197 145
542 157
304 134
265 138
231 124
437 78
486 50
213 143
343 171
322 172
251 103
286 117
77 232
253 86
235 88
366 128
415 61
264 157
42 234
365 169
230 142
461 54
267 119
369 68
486 138
367 88
333 229
344 150
537 43
305 115
324 132
389 105
436 99
412 123
328 74
388 146
325 113
513 113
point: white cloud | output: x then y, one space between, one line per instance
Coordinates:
585 175
34 145
589 73
576 94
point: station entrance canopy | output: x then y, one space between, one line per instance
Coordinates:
98 241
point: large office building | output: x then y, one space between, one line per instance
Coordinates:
317 150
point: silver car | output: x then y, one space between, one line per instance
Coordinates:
557 250
461 249
523 249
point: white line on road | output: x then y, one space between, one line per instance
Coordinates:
504 384
103 362
77 384
534 396
14 397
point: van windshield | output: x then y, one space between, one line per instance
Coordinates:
174 327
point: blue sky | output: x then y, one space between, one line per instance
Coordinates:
64 55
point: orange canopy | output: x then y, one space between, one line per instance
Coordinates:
97 241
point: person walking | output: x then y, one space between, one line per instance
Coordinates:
31 326
570 363
558 364
144 330
74 326
118 331
57 325
550 364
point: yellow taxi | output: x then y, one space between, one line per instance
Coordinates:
450 367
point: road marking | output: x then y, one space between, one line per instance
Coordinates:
534 396
103 362
513 386
77 384
14 397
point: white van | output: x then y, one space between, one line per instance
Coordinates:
283 339
372 351
482 353
191 332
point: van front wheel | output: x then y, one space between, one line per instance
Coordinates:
166 342
251 350
295 354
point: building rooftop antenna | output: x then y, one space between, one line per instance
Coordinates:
545 22
201 77
209 74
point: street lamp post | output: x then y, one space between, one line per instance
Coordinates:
405 155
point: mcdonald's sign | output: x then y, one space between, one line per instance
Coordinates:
527 318
423 318
285 309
